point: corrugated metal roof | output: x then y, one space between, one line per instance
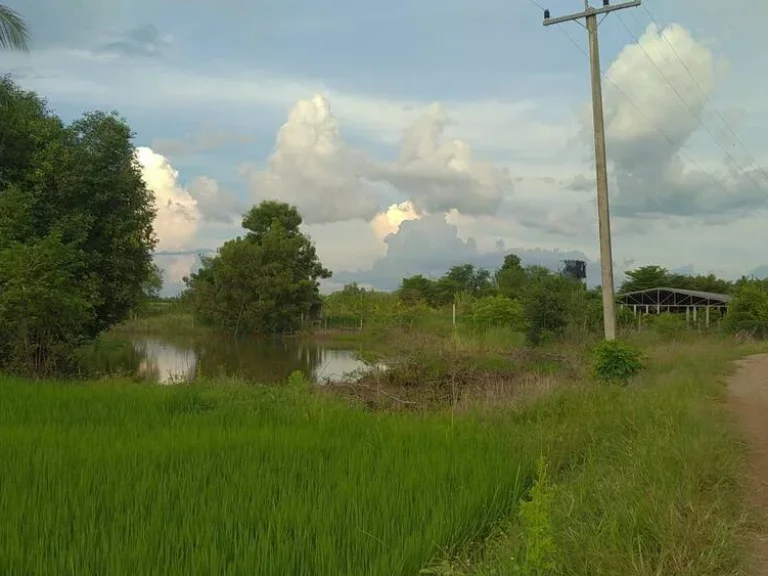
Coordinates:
692 293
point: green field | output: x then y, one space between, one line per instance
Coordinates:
119 478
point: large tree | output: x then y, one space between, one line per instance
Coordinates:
75 230
13 31
261 283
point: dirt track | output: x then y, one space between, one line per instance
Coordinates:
748 397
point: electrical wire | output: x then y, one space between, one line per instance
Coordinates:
645 116
696 116
706 95
715 179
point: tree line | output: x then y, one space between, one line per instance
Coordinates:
540 302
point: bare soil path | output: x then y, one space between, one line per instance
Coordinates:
748 398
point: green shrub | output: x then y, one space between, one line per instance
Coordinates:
499 311
748 311
616 362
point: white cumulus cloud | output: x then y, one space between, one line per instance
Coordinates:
442 176
178 216
657 99
389 222
313 168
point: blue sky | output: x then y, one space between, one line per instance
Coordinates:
470 119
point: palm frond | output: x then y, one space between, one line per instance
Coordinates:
13 31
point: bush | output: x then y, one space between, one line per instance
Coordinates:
499 311
748 311
616 362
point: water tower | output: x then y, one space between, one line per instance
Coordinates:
576 269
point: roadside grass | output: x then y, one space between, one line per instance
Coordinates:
656 489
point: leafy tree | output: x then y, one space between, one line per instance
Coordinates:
464 278
546 303
75 193
154 283
646 277
263 282
417 288
510 278
13 31
748 311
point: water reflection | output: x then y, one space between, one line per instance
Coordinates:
168 361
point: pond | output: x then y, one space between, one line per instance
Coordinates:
174 360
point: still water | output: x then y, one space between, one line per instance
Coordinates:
264 361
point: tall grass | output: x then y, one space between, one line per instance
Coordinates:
115 478
657 490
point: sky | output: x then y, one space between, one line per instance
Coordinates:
413 136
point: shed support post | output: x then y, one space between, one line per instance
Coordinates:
706 317
688 316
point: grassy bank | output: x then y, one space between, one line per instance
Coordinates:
118 478
655 489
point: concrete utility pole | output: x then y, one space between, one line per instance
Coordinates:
603 212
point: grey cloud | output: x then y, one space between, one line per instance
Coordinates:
141 41
579 183
215 204
440 176
206 139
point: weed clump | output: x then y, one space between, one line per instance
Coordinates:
616 362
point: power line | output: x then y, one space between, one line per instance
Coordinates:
696 116
719 182
706 95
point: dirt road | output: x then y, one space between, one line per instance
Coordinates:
748 397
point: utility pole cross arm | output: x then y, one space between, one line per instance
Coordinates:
591 12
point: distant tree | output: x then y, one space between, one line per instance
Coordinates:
703 283
154 283
647 277
547 303
75 230
263 282
13 30
644 278
510 278
417 288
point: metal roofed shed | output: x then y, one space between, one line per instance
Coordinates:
675 301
